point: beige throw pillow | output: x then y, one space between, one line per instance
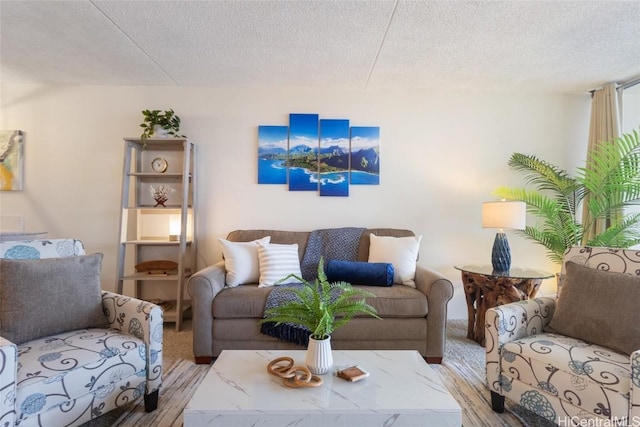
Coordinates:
241 261
402 252
599 307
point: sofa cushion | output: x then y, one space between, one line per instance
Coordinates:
248 301
402 252
43 297
277 236
360 273
241 261
599 307
301 238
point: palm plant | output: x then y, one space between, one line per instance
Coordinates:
608 184
321 307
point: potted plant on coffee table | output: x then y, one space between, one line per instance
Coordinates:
321 308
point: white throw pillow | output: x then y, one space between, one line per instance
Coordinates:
402 252
277 262
241 261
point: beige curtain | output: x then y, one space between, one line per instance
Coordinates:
604 126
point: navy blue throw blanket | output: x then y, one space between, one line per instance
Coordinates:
332 243
289 332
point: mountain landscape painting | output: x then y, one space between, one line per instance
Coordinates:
303 152
365 155
334 157
272 154
323 155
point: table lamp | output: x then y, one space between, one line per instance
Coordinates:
503 215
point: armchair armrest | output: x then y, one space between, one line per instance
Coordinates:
439 290
143 320
510 322
8 376
634 401
203 287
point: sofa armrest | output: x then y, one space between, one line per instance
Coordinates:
510 322
8 376
634 401
203 287
143 320
439 290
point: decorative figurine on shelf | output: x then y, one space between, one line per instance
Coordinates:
161 194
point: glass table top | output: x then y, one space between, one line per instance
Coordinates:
514 272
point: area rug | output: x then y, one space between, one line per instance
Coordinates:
462 372
178 385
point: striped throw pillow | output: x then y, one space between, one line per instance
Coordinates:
277 262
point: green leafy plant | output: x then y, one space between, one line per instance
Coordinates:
168 120
610 180
321 307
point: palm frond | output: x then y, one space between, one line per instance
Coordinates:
609 183
543 174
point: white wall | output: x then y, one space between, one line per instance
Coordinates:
442 156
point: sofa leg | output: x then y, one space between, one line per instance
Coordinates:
433 360
203 360
497 402
151 401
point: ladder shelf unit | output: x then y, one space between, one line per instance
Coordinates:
157 228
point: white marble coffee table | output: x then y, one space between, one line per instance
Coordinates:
402 390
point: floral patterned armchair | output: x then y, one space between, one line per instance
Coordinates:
563 379
71 377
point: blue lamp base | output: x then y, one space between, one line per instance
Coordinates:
501 253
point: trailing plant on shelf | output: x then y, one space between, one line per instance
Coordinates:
154 119
321 307
610 180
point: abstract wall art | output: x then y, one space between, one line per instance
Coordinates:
11 160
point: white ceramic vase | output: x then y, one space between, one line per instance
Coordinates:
319 358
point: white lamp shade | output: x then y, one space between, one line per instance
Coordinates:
174 224
504 214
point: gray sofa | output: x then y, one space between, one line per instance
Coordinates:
226 318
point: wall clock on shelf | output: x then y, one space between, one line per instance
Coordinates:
159 165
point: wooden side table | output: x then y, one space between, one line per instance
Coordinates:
485 289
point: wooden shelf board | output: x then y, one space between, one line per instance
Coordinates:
155 242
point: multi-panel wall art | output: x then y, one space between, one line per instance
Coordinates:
323 155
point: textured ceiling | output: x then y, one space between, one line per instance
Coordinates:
563 46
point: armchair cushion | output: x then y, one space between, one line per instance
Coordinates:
35 296
599 307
